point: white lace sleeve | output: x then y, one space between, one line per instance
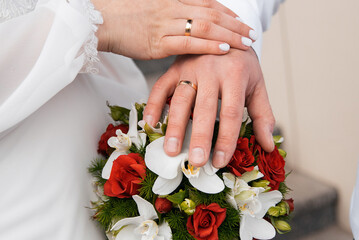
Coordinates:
44 46
90 46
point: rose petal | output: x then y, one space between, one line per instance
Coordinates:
206 183
163 186
146 209
106 171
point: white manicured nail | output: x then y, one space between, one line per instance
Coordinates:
224 47
172 145
253 35
246 41
197 156
239 19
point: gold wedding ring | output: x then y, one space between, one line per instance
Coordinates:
189 83
188 27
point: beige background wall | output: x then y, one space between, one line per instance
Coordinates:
310 62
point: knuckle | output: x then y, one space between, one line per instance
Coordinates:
230 112
187 43
214 16
204 27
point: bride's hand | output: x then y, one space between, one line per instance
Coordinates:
152 29
237 79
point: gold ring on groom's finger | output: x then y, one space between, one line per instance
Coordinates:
189 83
188 27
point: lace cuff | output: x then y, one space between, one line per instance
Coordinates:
89 48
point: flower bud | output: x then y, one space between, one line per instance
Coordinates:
188 206
262 183
274 211
163 205
282 226
284 208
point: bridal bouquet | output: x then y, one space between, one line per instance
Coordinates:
145 194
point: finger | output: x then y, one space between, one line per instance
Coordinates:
230 121
220 19
210 4
204 117
178 45
210 31
163 88
180 110
262 116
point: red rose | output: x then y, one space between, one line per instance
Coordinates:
163 205
242 159
272 166
127 173
204 223
103 147
290 202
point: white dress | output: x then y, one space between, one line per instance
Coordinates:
51 116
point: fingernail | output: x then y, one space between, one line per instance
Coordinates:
224 47
253 35
219 158
197 156
148 119
246 41
172 145
239 19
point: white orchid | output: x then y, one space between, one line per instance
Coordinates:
122 142
142 227
253 203
170 170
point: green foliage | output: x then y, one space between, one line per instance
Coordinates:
177 220
119 113
115 209
146 188
140 107
177 197
141 150
229 229
284 189
95 170
248 130
203 198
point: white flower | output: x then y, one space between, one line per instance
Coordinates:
122 142
142 227
253 203
170 170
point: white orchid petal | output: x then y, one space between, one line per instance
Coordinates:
128 233
268 199
209 168
165 231
127 221
145 208
112 142
206 183
229 179
163 186
252 175
132 131
160 163
255 228
158 238
230 199
142 137
106 171
142 123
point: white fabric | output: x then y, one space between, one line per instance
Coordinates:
51 117
354 209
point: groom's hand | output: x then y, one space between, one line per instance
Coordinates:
237 79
